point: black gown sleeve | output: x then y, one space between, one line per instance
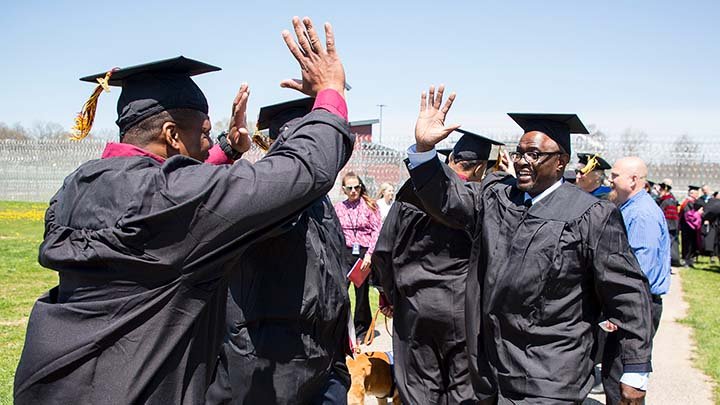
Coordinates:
446 197
382 257
622 287
213 211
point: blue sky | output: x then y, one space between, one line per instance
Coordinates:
648 65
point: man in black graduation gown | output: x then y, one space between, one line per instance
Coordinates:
142 238
287 310
546 258
422 266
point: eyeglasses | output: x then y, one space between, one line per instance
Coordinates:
351 188
530 157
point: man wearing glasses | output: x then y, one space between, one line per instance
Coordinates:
547 258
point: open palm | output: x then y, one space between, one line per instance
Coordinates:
430 127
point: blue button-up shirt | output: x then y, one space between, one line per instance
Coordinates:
648 236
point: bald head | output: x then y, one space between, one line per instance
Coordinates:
627 178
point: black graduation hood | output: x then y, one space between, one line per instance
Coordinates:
557 126
154 87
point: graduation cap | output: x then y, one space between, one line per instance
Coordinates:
592 162
666 184
693 188
275 117
557 126
472 146
147 89
650 182
446 152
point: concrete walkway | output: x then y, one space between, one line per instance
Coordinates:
674 381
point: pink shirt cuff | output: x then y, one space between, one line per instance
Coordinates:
333 102
217 156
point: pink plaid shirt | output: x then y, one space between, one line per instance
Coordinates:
360 224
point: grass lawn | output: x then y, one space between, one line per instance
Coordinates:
22 281
702 292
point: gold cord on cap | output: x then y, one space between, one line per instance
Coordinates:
591 164
84 119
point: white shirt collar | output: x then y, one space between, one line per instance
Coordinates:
544 193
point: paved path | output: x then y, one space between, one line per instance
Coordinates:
674 381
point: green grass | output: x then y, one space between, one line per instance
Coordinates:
22 281
702 292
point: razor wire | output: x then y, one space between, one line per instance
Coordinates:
33 170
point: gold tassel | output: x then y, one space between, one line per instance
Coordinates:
85 118
591 165
496 167
262 141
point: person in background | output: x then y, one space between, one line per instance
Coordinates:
590 174
422 265
360 220
385 199
288 306
546 258
707 194
650 241
669 206
688 234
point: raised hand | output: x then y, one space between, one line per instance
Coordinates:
430 126
238 134
321 66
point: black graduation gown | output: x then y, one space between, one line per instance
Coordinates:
422 265
287 315
141 249
286 326
538 280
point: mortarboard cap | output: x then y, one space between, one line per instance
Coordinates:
557 126
693 188
148 89
592 161
650 182
472 146
446 152
275 117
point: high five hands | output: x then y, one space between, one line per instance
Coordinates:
430 127
238 135
320 65
321 69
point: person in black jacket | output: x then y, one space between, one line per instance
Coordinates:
143 238
422 265
288 307
546 258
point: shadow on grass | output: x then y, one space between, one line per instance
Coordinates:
704 264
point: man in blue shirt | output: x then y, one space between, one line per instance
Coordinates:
649 239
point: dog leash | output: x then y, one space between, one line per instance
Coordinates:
370 334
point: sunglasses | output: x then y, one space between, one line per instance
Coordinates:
351 188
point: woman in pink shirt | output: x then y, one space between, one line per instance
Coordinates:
360 220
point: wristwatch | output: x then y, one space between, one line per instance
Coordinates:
225 146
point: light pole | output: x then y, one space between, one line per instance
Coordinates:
381 108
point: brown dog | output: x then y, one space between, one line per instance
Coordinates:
371 375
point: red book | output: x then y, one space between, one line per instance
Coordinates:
356 275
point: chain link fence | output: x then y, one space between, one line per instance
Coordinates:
33 170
